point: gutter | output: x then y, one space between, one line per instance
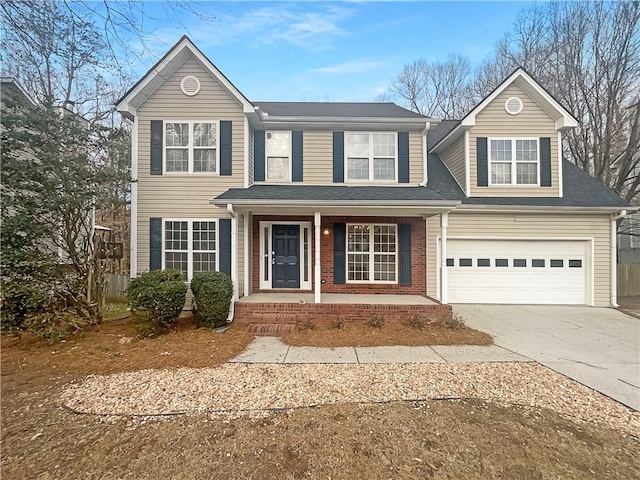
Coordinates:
614 251
335 203
234 268
537 208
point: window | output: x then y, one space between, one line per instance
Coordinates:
537 262
514 161
372 253
191 147
190 246
278 153
502 262
465 262
519 262
575 263
556 263
450 262
370 156
484 262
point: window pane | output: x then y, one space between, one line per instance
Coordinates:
537 262
176 134
358 267
520 262
177 160
501 150
204 235
527 150
500 173
278 144
384 169
357 145
556 263
358 169
575 263
465 262
277 168
176 260
204 160
175 236
384 145
358 238
502 262
484 262
204 262
384 267
384 238
204 134
449 262
526 173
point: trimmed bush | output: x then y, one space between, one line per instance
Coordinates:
212 292
157 297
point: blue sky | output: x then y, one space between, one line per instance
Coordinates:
326 51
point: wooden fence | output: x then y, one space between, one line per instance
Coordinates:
628 279
116 285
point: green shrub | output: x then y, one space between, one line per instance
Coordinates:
212 292
19 299
157 296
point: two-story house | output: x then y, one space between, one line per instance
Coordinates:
308 206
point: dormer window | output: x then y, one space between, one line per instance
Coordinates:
514 161
370 157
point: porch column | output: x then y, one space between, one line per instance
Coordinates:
234 256
444 281
316 278
247 259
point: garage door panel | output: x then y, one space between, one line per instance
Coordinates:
559 276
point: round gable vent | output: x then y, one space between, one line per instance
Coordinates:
190 85
513 105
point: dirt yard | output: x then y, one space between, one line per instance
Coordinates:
433 439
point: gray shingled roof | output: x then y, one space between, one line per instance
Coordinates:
441 130
337 110
580 190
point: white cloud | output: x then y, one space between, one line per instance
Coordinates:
356 66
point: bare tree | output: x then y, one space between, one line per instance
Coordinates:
439 89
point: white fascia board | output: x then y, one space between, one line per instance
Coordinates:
566 120
339 122
177 50
538 209
339 203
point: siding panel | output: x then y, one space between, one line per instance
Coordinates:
453 158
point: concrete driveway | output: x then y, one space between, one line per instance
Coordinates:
599 347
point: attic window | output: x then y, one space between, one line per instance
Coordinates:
513 105
190 85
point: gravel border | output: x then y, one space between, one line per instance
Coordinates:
237 389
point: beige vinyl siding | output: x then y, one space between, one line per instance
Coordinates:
529 226
185 196
318 157
494 121
251 155
453 158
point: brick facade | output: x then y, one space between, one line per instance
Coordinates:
418 248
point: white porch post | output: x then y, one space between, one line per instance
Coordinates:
234 256
444 282
316 278
247 259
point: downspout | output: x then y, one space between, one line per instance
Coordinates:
234 266
425 155
614 251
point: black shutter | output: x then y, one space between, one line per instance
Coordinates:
258 156
226 140
339 257
404 239
156 147
296 150
155 243
224 244
403 157
338 157
545 161
482 162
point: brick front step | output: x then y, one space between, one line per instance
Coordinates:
270 329
290 313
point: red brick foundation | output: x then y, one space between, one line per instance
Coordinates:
325 313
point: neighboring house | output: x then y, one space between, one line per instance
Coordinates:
629 239
340 199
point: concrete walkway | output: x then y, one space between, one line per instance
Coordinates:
273 350
598 347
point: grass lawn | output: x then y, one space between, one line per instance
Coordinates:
433 439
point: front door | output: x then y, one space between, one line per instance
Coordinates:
285 257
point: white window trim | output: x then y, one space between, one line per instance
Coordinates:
514 162
266 284
266 157
190 148
190 250
371 169
371 254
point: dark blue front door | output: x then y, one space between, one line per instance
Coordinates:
286 256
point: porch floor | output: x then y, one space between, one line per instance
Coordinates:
338 298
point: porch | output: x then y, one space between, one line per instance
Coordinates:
283 310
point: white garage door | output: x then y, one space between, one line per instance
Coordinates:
517 271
